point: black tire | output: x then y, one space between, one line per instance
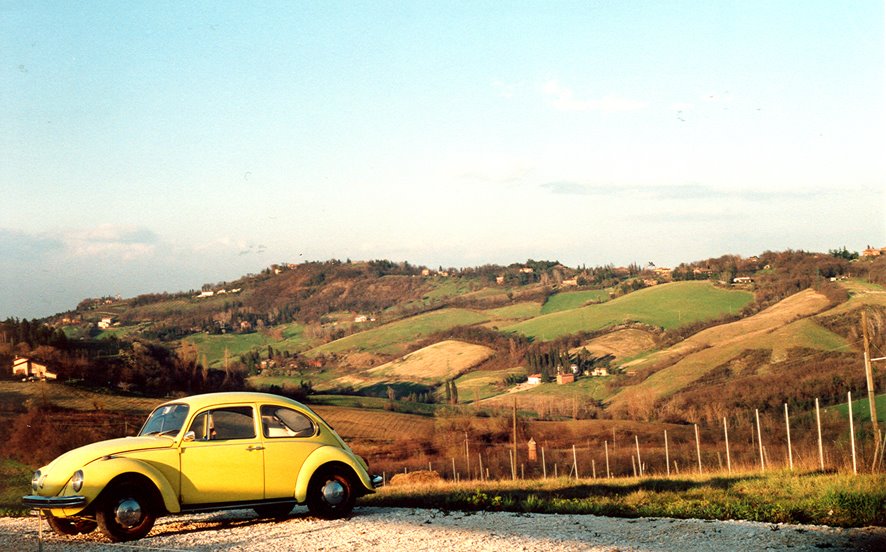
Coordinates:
126 512
331 493
276 511
68 527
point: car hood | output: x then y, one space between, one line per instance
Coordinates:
57 473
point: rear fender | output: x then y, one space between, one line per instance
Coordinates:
325 456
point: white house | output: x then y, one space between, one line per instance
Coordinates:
27 368
534 379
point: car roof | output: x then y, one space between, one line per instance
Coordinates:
211 399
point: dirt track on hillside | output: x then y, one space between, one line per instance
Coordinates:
419 530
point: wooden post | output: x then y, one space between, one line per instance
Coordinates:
852 432
869 376
606 448
787 423
515 440
667 454
522 470
555 471
513 466
467 457
594 468
820 447
726 435
760 440
698 448
634 465
574 461
544 466
639 460
454 473
480 460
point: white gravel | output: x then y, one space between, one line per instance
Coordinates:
414 530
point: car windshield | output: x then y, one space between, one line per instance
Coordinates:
166 420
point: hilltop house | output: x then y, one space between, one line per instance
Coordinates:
534 379
27 368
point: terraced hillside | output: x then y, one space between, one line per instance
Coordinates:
668 306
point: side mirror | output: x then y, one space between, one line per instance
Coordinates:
189 436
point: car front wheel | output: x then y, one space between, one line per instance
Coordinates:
125 513
331 493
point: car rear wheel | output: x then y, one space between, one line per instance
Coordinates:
125 512
67 526
331 493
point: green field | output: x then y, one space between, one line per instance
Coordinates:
668 306
14 483
392 338
520 311
861 411
288 337
574 299
482 384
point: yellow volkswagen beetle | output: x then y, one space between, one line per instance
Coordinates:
205 452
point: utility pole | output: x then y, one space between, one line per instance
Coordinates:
869 374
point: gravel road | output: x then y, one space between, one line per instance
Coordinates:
415 530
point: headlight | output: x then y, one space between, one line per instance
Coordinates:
77 481
35 481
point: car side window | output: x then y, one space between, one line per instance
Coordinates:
234 422
278 421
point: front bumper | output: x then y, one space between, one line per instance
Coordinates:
53 502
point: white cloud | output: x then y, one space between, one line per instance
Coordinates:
562 98
125 243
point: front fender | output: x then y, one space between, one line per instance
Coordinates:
321 457
97 476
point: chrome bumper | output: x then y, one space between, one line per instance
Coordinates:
377 481
50 502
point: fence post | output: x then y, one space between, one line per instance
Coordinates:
760 440
726 435
820 447
544 466
667 454
639 460
698 448
606 448
594 468
480 460
852 432
787 423
454 473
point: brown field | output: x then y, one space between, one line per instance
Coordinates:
621 344
433 364
14 395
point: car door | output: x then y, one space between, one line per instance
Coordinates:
290 436
225 460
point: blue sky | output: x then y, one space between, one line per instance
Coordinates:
153 146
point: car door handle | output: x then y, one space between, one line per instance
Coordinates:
255 447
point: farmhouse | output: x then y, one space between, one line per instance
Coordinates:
564 378
873 252
27 368
106 322
534 379
599 371
742 280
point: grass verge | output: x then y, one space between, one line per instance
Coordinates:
827 499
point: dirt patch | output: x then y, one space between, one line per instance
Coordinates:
439 361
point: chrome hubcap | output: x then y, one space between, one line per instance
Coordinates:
128 512
333 492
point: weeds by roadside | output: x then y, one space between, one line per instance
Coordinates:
828 499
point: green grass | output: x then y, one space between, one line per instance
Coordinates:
668 306
15 480
861 410
584 387
520 311
391 338
213 346
373 403
574 299
482 384
828 499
